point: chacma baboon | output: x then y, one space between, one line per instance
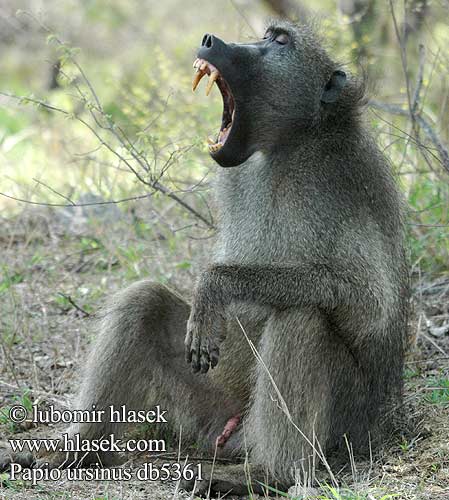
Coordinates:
309 265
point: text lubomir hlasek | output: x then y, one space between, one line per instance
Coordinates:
110 414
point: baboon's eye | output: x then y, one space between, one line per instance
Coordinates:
281 39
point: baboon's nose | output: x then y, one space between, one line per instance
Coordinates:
208 41
213 49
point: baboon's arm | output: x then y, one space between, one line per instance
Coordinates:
302 285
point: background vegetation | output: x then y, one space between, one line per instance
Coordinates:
105 179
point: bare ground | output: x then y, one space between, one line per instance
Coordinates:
55 271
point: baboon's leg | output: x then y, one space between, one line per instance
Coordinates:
321 383
138 361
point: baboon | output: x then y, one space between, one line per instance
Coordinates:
309 266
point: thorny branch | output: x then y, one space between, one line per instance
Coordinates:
105 122
158 186
413 101
153 183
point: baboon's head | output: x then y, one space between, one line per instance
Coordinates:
273 90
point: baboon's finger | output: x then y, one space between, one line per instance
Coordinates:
214 354
204 361
195 354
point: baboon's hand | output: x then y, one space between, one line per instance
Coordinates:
205 331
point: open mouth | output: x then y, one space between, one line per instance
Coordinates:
204 67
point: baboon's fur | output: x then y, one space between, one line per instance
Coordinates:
309 257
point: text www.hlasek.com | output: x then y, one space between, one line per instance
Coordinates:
73 447
75 444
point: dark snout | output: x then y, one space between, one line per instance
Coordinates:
214 50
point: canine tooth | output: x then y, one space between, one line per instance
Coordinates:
215 147
213 76
196 79
210 141
195 62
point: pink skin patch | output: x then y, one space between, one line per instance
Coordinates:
229 428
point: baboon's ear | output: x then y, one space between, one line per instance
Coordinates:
333 87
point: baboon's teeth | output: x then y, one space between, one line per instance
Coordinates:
213 148
205 68
213 76
196 79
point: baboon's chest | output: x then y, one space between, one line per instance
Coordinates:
262 218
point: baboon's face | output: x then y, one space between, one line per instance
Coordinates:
272 89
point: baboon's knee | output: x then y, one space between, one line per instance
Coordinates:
145 308
138 325
147 301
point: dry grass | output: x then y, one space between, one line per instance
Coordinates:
56 271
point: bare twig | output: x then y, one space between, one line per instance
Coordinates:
413 102
403 52
74 304
419 80
112 128
154 184
48 395
54 191
423 123
417 224
429 339
430 360
72 205
243 16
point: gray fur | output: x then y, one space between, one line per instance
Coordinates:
309 257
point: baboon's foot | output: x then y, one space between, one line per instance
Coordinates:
231 480
26 460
